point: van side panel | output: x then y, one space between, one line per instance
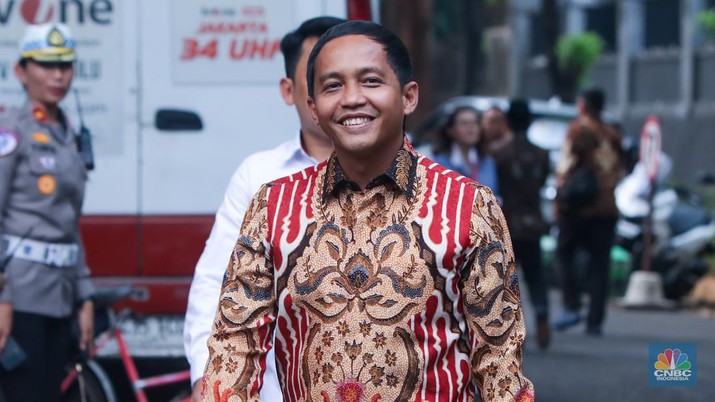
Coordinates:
151 200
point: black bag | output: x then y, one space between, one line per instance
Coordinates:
580 189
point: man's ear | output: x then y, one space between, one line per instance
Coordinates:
286 86
313 112
410 97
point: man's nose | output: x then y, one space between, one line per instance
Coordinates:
353 95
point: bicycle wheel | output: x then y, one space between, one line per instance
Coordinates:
97 387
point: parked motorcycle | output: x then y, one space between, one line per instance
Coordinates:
682 228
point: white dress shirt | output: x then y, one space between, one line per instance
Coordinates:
257 169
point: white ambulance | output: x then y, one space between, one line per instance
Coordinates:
175 94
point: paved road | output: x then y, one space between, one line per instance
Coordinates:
616 367
576 368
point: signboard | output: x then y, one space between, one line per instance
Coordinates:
650 145
229 41
95 26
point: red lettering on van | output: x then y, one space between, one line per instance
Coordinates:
254 49
233 28
30 11
255 11
192 49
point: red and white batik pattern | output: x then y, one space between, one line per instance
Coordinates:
403 291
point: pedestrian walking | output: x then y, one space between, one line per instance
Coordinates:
522 168
587 173
375 267
42 183
309 146
460 146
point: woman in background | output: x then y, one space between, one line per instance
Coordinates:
460 147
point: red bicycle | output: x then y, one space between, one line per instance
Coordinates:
87 381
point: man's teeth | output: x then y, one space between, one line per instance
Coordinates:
355 121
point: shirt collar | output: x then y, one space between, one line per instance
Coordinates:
37 112
401 173
296 153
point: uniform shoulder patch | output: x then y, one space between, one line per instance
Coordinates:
41 137
8 142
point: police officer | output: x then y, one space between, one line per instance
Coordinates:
42 181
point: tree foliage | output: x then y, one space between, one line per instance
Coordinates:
706 19
578 53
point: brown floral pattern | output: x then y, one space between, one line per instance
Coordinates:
397 290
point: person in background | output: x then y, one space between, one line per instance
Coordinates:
460 147
593 142
522 168
42 183
365 262
496 130
309 146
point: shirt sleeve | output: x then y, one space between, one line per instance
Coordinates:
8 161
206 284
493 306
242 331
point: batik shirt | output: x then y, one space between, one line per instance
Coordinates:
593 142
403 291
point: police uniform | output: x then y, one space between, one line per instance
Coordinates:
42 184
42 180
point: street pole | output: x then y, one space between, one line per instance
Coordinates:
648 230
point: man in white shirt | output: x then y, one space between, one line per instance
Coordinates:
308 148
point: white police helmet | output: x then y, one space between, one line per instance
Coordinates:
48 43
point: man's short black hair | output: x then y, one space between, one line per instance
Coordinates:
519 115
397 55
292 42
594 99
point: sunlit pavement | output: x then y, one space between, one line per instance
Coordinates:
616 367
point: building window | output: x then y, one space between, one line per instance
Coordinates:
662 23
602 21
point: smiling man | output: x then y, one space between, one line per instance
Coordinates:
384 275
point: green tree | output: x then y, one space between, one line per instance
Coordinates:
577 54
706 18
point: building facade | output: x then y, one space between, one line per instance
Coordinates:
657 60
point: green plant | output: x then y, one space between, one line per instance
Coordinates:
577 53
706 19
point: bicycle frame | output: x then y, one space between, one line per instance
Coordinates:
138 384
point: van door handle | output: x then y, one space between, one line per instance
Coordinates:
177 120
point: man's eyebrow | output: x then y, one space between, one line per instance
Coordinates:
368 70
326 76
362 71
